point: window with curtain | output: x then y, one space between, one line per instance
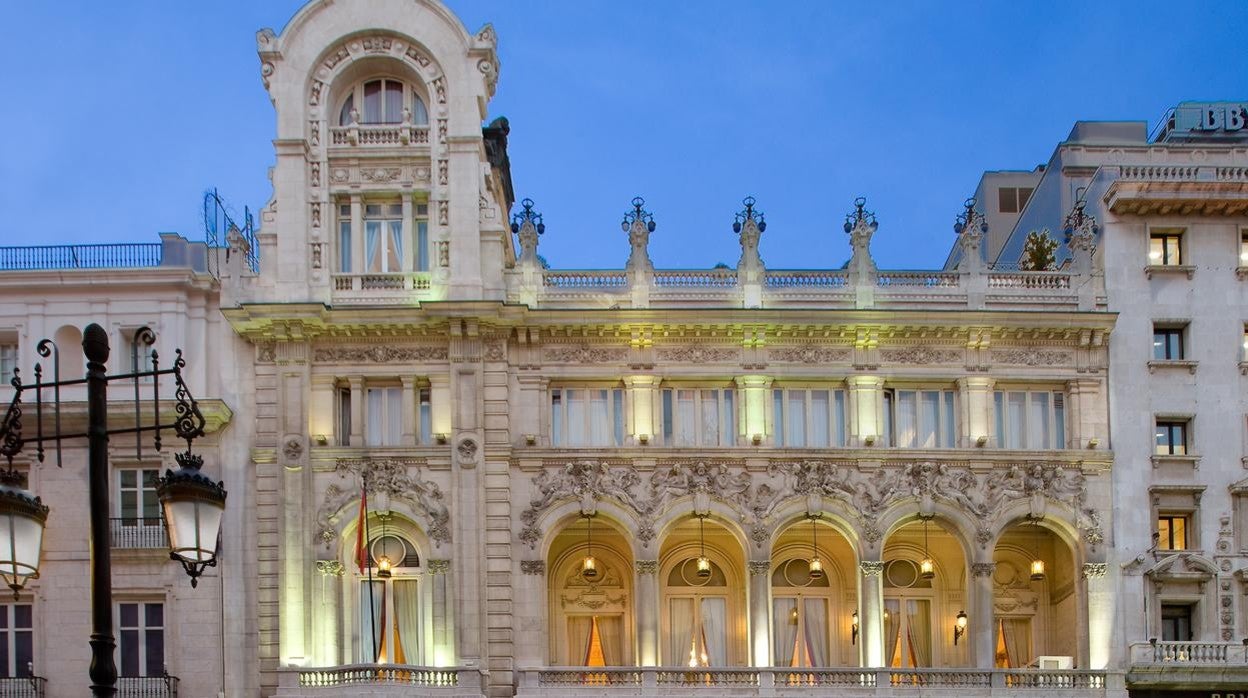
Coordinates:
697 417
801 615
809 418
1165 247
907 615
1013 643
1034 420
382 101
921 418
342 406
16 640
383 238
344 238
698 623
390 615
587 417
384 416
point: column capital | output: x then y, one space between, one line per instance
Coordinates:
753 381
641 381
647 566
871 568
330 568
983 569
976 382
1095 570
439 566
533 567
864 382
759 566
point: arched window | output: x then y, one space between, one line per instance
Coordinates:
698 616
908 599
390 604
383 101
801 616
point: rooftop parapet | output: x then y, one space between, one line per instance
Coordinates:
172 251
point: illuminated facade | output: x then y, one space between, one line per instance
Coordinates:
674 482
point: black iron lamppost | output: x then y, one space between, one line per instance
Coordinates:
191 502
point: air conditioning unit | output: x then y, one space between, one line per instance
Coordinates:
1055 662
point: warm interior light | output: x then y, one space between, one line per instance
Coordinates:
704 566
1155 255
927 568
704 562
1037 570
193 505
383 566
589 567
816 568
853 637
961 620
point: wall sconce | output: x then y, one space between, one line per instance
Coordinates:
981 441
959 627
757 439
530 439
321 440
441 438
853 629
643 439
869 439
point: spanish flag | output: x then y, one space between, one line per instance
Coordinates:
361 535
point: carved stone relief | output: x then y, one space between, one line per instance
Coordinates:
647 566
533 566
585 354
697 354
1032 357
378 353
921 355
398 478
811 354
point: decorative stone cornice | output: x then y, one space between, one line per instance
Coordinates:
533 566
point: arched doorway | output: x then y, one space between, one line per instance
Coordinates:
812 614
591 614
702 613
1035 607
924 580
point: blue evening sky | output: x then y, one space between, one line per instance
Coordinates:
118 115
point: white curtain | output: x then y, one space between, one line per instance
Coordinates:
580 634
394 102
575 400
421 246
1038 424
778 417
947 423
681 638
344 247
372 246
816 618
1017 635
796 418
420 113
1016 426
375 422
609 634
407 621
372 620
395 253
714 630
838 425
686 419
710 417
394 416
599 418
727 433
919 622
928 415
892 631
820 418
784 619
907 409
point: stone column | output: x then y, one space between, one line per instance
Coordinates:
754 418
871 613
358 260
357 411
532 616
444 653
648 613
408 411
327 617
760 612
976 407
980 628
642 423
1100 599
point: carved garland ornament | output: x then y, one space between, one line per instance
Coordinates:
697 354
921 355
585 354
811 354
533 566
1032 357
379 354
389 476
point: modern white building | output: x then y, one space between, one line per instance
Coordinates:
455 472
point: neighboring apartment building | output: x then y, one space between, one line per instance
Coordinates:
635 481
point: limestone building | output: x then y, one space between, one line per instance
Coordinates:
454 471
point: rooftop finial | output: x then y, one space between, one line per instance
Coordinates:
969 219
639 213
749 214
860 216
527 215
527 225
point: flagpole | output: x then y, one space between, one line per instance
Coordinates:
372 607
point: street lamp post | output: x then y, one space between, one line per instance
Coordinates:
191 502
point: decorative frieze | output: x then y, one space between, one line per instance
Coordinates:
698 354
758 567
811 354
439 566
921 355
585 354
330 568
1032 356
378 354
981 570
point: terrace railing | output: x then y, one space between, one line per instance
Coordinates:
115 256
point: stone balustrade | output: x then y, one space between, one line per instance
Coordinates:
366 680
379 135
366 289
1189 653
782 681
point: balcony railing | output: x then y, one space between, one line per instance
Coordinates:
1215 653
374 677
24 687
380 288
147 687
578 681
118 256
379 135
138 533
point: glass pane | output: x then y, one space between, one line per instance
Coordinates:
1016 430
155 652
129 646
1180 532
372 246
777 411
820 418
426 418
151 504
24 652
129 613
344 247
838 418
394 102
22 616
1178 439
5 669
710 417
667 417
394 416
394 251
888 437
796 418
376 416
617 416
577 432
129 504
1156 251
372 102
727 435
1038 426
420 114
556 417
907 409
129 478
599 418
928 416
154 615
686 418
1172 250
680 645
948 437
784 618
422 246
998 403
815 627
344 117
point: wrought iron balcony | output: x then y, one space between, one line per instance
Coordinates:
23 687
138 533
114 256
147 686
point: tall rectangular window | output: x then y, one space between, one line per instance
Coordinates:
1165 248
141 646
1033 420
1172 532
1171 438
8 361
344 238
1176 622
16 640
1243 248
134 357
425 415
921 418
420 247
385 416
383 238
587 417
809 418
1167 343
136 495
343 406
693 417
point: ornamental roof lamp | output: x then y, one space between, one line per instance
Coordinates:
527 225
749 225
638 223
1080 230
971 227
860 225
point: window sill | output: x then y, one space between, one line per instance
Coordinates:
1171 364
1193 461
1188 269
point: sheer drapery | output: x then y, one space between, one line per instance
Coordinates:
784 620
892 631
796 418
407 621
680 643
1038 423
816 622
710 418
1016 632
372 246
394 102
575 401
580 635
394 255
599 418
907 409
820 418
919 622
686 419
420 247
1017 420
610 635
928 419
372 620
714 630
